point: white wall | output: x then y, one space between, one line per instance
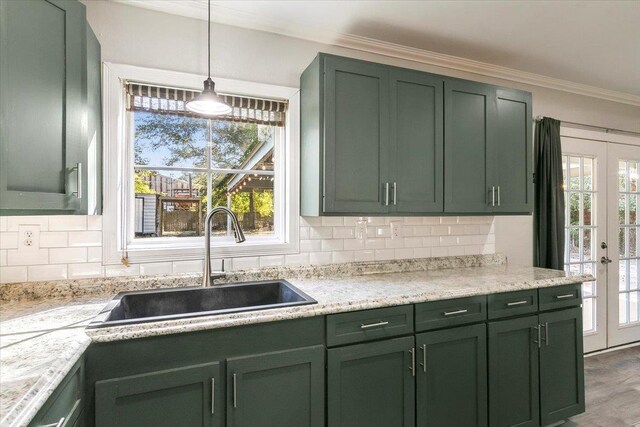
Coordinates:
146 38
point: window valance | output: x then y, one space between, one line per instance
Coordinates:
159 99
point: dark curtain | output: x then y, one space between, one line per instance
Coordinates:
549 194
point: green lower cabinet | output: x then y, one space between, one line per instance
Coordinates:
452 377
561 365
371 384
513 373
284 388
188 396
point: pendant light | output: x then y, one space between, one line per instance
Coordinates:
209 103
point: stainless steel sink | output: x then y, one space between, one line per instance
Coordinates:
163 304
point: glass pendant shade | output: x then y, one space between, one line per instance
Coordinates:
208 103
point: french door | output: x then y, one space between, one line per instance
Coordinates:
601 193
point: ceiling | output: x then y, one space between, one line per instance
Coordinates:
594 43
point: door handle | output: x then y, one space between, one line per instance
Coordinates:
395 193
373 325
511 304
413 362
498 195
605 260
453 313
423 347
493 195
235 392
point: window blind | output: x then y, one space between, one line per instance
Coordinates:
159 99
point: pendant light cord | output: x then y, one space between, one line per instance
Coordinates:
209 40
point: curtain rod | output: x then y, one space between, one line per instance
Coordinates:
607 130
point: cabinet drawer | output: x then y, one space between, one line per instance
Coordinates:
367 325
452 312
512 303
65 405
560 296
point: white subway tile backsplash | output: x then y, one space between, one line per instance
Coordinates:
13 274
318 258
67 223
47 272
14 222
84 270
54 239
67 255
9 240
94 222
94 254
366 255
194 266
153 268
33 257
71 246
246 263
85 238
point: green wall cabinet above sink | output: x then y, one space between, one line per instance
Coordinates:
49 109
382 140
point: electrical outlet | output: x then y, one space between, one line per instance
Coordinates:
28 237
361 229
396 229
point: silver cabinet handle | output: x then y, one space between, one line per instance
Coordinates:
564 296
78 169
413 362
493 195
537 341
213 396
235 392
453 313
386 194
511 304
373 325
424 357
58 424
546 333
395 193
498 195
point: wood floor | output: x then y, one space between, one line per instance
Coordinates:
612 383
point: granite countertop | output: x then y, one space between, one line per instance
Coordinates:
41 339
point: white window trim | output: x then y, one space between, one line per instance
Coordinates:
115 244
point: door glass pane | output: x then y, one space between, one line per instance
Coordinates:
628 241
580 231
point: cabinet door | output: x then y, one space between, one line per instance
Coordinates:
43 85
189 396
356 142
468 119
513 152
452 377
284 388
416 142
371 384
513 373
561 365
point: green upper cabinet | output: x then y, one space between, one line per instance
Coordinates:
356 140
513 151
284 388
469 114
377 140
371 384
561 365
416 142
371 139
451 378
187 396
43 110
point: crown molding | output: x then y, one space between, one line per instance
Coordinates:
228 16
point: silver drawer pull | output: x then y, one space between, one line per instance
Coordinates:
511 304
453 313
564 296
213 396
373 325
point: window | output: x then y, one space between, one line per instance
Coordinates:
175 166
